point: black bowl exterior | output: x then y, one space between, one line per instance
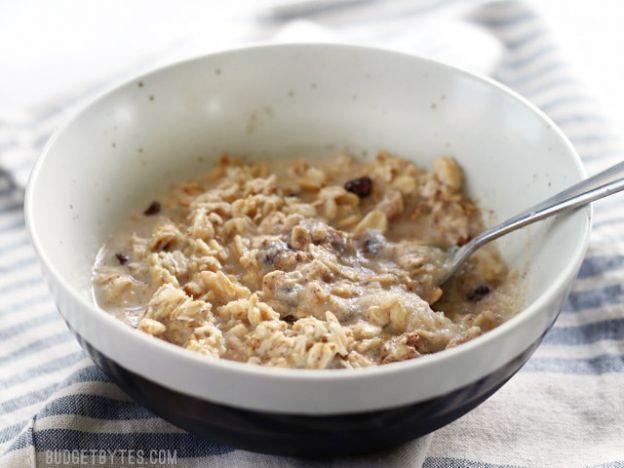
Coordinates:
305 435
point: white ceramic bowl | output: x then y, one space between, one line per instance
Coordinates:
275 101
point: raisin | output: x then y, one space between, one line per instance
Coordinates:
289 319
463 240
362 186
275 251
121 258
339 243
153 209
478 293
373 243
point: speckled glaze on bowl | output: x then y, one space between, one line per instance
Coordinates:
293 100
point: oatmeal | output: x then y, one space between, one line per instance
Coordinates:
327 264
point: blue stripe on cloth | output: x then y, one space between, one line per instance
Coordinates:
84 375
612 330
613 464
504 22
589 139
599 156
548 85
21 284
97 407
39 141
447 462
11 207
580 118
540 73
9 432
21 305
14 245
527 38
37 346
609 221
379 19
90 373
528 74
28 325
5 192
598 365
13 225
28 399
185 445
596 265
25 439
47 367
592 298
27 163
521 62
550 106
5 145
22 262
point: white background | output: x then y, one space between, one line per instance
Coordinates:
591 34
49 48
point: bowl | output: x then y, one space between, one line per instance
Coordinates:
113 156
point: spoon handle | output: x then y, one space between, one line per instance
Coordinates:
588 190
612 173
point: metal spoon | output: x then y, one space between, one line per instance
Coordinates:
601 185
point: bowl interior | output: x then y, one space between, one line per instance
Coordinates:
300 101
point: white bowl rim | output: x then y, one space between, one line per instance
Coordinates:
126 332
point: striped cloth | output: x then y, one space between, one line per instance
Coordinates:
565 408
